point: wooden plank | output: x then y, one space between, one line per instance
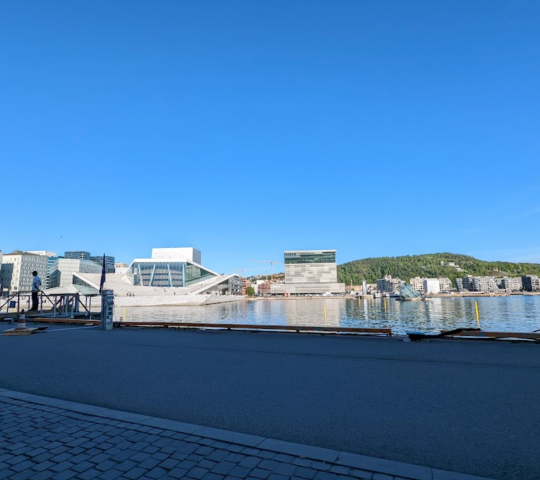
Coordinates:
23 331
234 326
476 333
70 321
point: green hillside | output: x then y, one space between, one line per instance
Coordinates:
429 265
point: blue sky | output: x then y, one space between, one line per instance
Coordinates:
246 128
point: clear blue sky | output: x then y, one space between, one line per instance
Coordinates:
246 128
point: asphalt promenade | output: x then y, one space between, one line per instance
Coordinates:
448 406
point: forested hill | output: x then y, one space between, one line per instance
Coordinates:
429 265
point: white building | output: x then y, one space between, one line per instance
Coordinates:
431 285
16 273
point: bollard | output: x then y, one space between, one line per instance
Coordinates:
21 325
107 309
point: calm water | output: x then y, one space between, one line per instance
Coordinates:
516 313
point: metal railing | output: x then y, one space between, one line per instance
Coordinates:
60 305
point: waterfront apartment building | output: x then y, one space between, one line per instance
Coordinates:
477 284
388 284
309 272
510 284
531 283
16 271
436 285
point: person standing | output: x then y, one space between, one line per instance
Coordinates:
36 287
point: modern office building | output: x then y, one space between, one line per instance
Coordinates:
309 272
16 272
77 255
109 262
52 257
63 270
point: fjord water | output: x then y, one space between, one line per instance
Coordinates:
519 313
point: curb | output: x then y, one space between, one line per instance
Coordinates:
361 462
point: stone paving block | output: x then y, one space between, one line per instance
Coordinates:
268 465
249 462
337 469
285 469
361 474
240 472
61 457
217 455
304 472
104 466
156 473
110 475
45 475
275 476
17 459
208 464
195 458
322 466
27 464
169 463
135 473
149 463
260 473
223 467
382 476
82 466
326 476
197 473
43 457
125 465
235 448
213 476
65 475
60 467
177 473
24 475
89 474
384 466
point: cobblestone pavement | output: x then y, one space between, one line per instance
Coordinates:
41 441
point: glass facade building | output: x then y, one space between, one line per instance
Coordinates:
165 273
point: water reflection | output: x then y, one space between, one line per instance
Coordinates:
516 313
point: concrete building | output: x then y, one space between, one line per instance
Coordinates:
16 272
477 284
63 270
531 283
510 284
309 272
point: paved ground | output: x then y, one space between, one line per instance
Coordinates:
44 438
458 406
